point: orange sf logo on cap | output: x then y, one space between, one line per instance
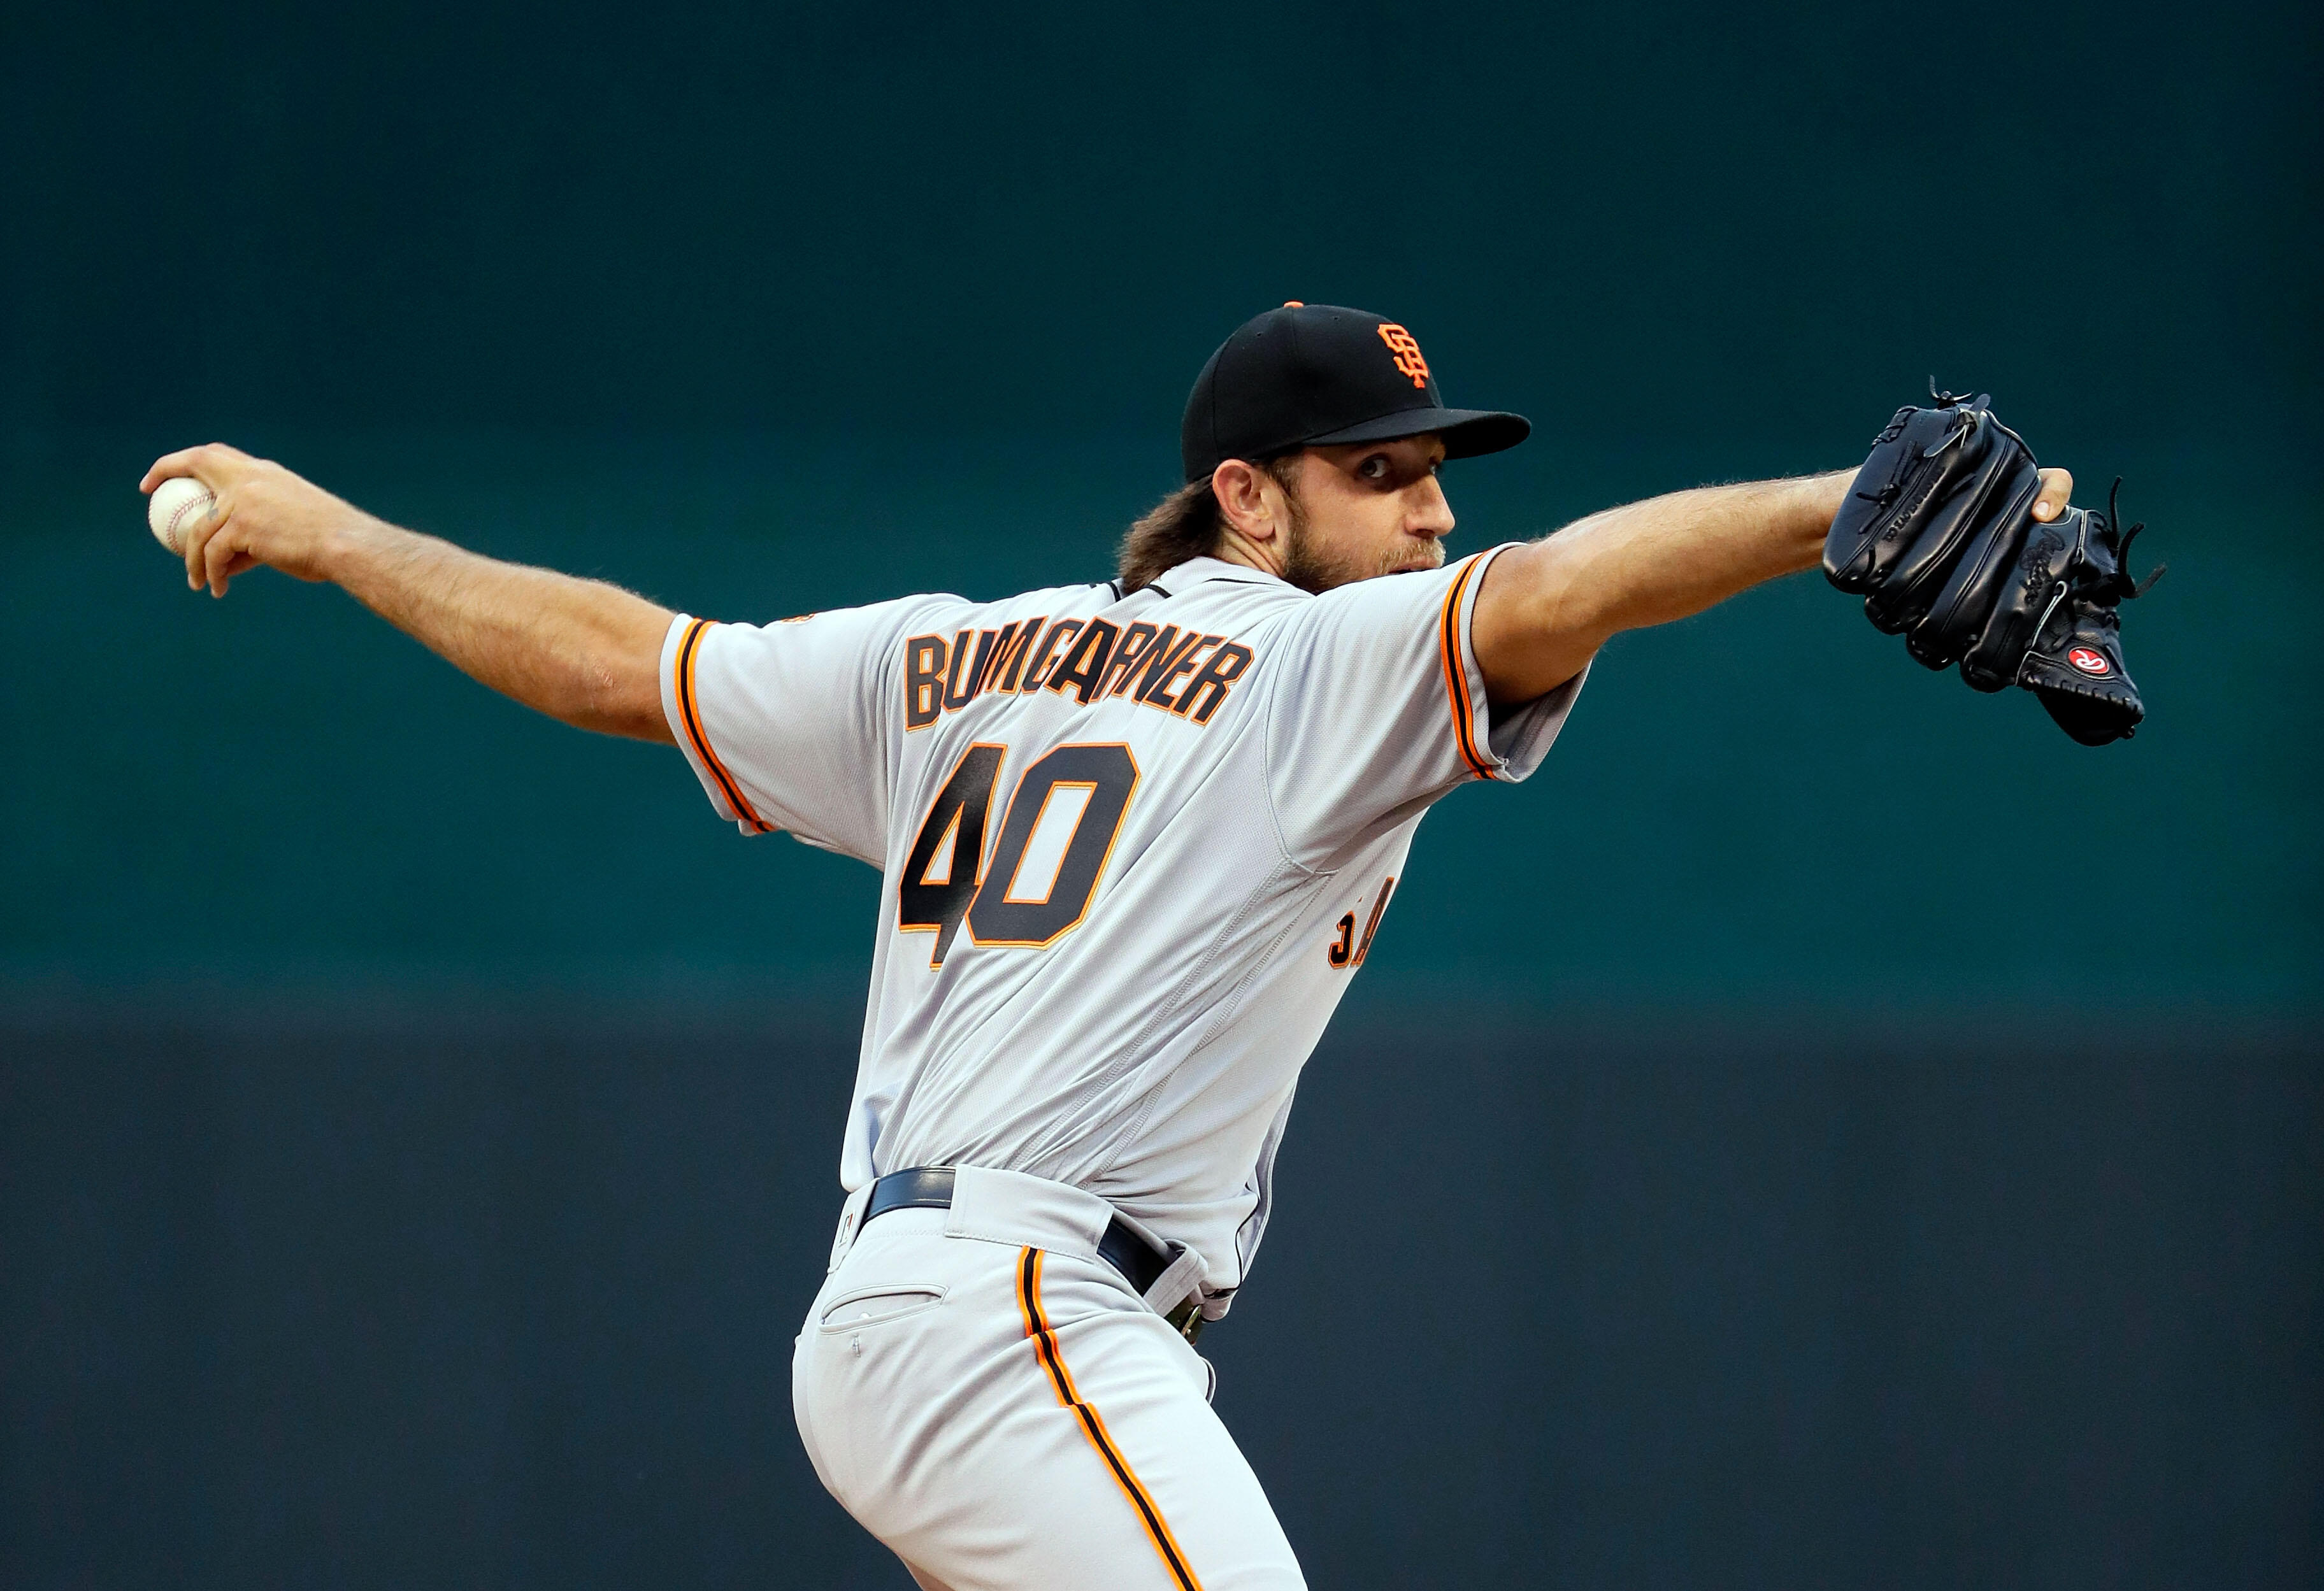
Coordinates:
1407 350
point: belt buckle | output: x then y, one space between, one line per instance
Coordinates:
1188 1317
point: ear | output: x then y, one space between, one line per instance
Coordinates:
1245 495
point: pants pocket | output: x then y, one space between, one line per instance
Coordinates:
876 1306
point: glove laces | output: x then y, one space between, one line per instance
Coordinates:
2119 586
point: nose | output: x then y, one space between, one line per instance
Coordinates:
1429 513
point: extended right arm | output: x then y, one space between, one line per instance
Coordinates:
580 651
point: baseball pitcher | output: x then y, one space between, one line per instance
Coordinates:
1136 838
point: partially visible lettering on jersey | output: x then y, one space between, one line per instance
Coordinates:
1346 951
1184 672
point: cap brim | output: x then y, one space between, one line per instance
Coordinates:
1467 432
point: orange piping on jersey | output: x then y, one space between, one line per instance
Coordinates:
1456 677
691 714
1045 1347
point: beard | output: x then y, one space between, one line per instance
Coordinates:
1315 567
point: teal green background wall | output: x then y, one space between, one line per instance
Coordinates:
1835 1131
1767 804
768 309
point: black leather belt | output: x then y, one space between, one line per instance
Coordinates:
929 1186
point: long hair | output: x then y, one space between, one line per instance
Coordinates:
1187 524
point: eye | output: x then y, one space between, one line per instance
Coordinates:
1374 468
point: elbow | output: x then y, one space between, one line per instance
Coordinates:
627 702
612 691
1543 630
623 677
1571 606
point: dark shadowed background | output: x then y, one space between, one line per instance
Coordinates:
1825 1129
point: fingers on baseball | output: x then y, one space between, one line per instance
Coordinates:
201 462
207 545
224 556
194 538
2057 486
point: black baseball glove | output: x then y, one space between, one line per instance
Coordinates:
1938 537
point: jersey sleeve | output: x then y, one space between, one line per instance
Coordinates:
1377 709
791 725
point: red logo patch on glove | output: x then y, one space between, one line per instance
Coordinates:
2087 661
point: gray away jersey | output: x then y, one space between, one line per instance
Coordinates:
1133 848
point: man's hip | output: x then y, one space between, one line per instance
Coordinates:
990 1397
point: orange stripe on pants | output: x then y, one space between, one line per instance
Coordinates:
1045 1345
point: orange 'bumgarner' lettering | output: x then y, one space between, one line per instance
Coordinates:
1209 687
1009 653
1089 660
1162 658
1085 665
924 677
1183 663
961 685
1128 655
1046 658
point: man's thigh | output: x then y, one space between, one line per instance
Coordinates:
1035 1427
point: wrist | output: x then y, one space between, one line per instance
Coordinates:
1815 502
1819 497
355 550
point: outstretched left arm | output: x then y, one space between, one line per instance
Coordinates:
1546 608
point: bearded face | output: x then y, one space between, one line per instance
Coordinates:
1357 512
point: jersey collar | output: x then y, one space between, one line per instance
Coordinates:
1202 570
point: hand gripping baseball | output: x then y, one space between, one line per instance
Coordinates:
1960 544
264 515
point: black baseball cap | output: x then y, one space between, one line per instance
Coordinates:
1319 374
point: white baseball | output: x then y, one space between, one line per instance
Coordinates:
177 505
